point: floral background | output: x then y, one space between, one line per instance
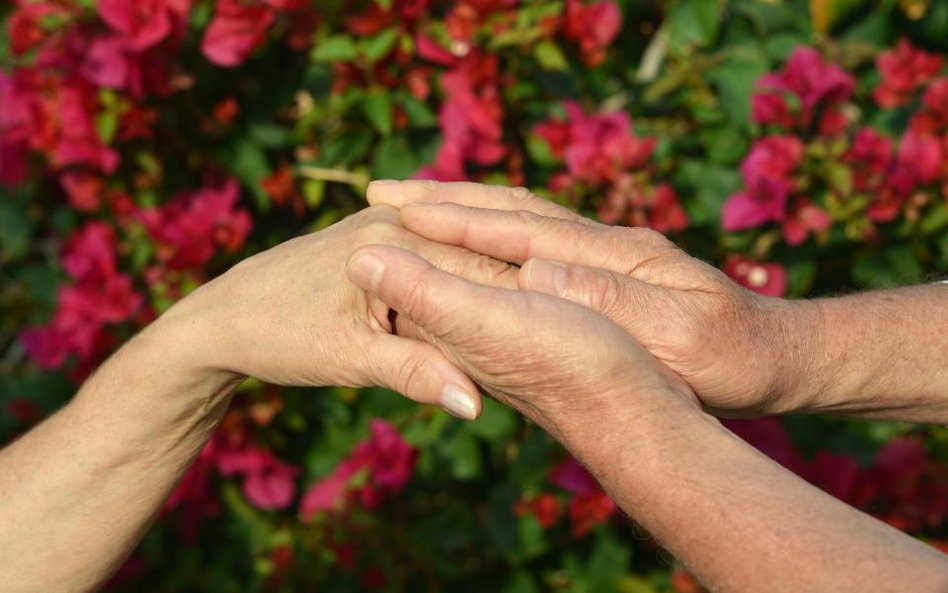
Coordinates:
146 146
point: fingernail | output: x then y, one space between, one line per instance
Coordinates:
366 270
459 402
559 279
383 181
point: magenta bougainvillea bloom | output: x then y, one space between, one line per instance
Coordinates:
766 278
768 177
904 69
385 460
815 85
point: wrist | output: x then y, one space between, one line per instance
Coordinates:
797 349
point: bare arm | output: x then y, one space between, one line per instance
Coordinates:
79 491
877 355
739 521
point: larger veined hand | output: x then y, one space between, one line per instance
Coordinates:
727 342
290 316
557 362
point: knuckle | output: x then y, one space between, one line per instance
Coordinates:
410 376
377 231
520 194
414 301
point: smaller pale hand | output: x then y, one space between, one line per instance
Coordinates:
729 344
290 316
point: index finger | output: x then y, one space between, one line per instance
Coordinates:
519 236
478 195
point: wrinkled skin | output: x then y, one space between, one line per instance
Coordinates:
729 344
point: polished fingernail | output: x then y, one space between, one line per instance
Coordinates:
459 402
366 270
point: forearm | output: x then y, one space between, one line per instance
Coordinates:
78 491
879 355
739 521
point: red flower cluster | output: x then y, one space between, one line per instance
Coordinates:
100 296
602 154
268 483
817 90
471 117
901 486
904 70
376 469
590 505
593 27
768 279
239 28
545 507
897 178
188 230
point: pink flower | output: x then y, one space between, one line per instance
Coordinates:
189 230
768 279
26 24
593 26
573 477
89 254
631 204
597 148
268 482
921 156
838 475
237 29
767 172
144 23
804 218
904 69
812 82
384 458
768 435
586 511
470 119
83 188
870 157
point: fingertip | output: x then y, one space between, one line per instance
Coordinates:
365 269
461 402
382 191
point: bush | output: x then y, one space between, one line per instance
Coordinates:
147 146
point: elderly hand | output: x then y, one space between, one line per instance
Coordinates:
559 363
729 344
289 316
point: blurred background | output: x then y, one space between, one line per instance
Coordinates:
146 146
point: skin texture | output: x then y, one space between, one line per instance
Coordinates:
739 521
875 355
78 491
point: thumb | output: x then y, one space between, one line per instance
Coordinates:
420 372
436 302
612 295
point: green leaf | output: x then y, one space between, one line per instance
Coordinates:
394 159
893 266
550 56
419 113
336 48
378 46
520 582
465 454
497 422
377 106
694 22
15 228
735 79
249 164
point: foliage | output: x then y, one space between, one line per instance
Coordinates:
146 146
